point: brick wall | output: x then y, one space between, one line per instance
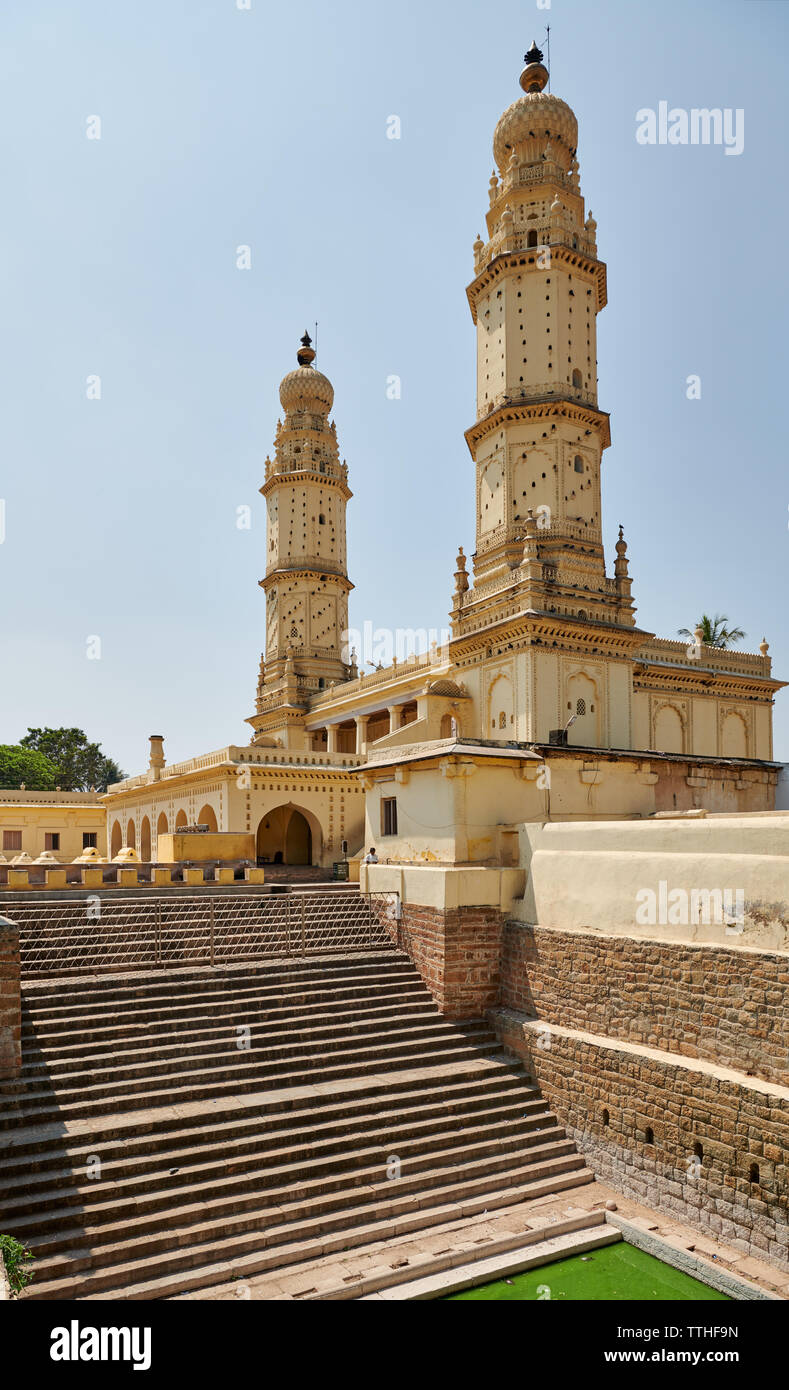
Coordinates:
726 1005
10 1002
457 953
737 1123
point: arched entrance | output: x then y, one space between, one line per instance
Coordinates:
284 837
208 817
116 842
145 840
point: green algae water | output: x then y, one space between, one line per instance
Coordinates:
614 1273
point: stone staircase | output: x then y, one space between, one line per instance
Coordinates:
253 1118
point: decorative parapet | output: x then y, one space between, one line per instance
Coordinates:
663 651
385 676
232 757
543 391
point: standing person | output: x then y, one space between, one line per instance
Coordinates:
371 857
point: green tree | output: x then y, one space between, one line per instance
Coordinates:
26 767
715 632
80 765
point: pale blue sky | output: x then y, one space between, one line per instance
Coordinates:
268 127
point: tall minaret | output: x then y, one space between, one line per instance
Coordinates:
306 582
539 436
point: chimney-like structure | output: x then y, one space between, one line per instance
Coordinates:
156 759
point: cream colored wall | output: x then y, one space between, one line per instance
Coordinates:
701 724
240 798
591 875
445 887
461 809
175 848
69 818
175 802
525 304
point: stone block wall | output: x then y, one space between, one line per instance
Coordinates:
726 1005
686 1137
457 951
10 1002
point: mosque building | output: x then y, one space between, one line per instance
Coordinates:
548 701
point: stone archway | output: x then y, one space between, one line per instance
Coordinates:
116 840
285 836
145 840
208 817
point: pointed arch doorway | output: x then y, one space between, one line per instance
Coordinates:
284 836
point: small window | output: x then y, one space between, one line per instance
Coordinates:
577 378
649 1136
321 520
389 815
698 1150
578 464
580 707
12 839
606 1119
90 839
52 839
753 1172
531 239
502 720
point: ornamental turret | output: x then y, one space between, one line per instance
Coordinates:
539 435
306 582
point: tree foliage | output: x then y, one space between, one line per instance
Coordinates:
715 632
26 767
80 765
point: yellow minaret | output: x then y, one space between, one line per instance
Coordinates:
539 435
306 582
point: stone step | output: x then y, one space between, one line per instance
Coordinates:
45 1106
183 1036
503 1259
285 1050
122 1018
430 1085
397 1265
139 1274
218 1160
300 1167
170 982
124 1049
26 1192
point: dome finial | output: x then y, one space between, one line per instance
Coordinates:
306 353
534 76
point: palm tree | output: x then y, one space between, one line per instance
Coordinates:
715 633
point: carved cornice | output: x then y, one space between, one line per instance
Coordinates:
291 476
324 569
526 259
561 632
552 406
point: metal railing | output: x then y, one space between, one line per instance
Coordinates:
158 933
386 910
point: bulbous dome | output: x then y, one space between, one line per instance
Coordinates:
537 116
535 120
305 388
